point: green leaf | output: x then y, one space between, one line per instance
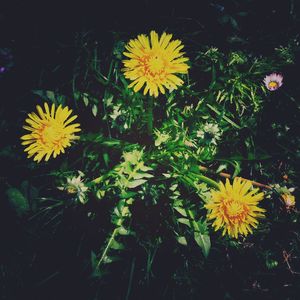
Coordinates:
221 168
18 201
51 96
126 195
124 231
237 168
203 241
100 194
184 221
181 211
40 93
95 110
173 187
106 159
142 175
136 183
145 168
234 23
93 259
110 259
85 99
116 245
181 240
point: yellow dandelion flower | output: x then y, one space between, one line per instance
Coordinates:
154 62
234 207
50 132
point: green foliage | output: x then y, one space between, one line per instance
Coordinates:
195 127
18 201
236 79
157 162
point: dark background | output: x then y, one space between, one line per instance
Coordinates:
41 37
41 34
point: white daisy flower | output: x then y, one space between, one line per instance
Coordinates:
273 81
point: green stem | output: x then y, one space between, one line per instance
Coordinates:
205 179
213 74
130 279
209 181
190 181
150 115
224 117
107 247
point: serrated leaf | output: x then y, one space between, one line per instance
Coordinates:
50 95
237 168
95 110
123 231
184 221
76 95
203 241
93 259
40 93
167 175
181 211
142 175
85 99
181 240
145 168
129 201
108 100
221 168
106 159
125 211
126 195
110 259
18 201
173 187
136 183
100 194
116 245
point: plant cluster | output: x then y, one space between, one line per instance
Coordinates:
149 154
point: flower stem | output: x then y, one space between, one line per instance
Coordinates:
150 115
107 247
213 74
207 180
226 175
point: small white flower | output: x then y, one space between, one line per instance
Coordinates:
273 81
75 185
161 137
210 131
133 156
200 134
116 112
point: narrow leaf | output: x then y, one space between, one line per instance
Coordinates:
181 240
136 183
184 221
203 241
181 211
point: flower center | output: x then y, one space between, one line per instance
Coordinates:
52 134
155 64
234 211
71 190
273 84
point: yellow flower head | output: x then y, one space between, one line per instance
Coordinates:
50 132
289 200
234 208
154 62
